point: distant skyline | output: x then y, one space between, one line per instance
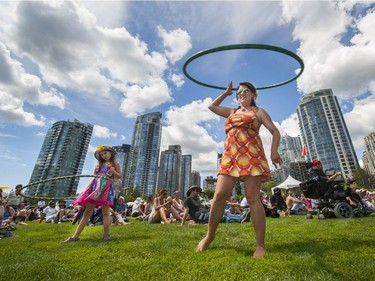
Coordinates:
105 63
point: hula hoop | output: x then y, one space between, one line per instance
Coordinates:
244 46
55 179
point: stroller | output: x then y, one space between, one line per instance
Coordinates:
334 199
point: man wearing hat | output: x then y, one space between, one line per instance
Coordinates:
194 208
317 172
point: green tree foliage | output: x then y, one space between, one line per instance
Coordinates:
363 179
267 186
209 193
238 189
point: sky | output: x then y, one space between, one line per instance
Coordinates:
105 63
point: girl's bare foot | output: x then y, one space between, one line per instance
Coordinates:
260 251
203 244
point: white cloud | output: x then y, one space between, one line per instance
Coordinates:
360 121
177 79
18 87
103 132
177 43
138 98
76 53
185 126
335 60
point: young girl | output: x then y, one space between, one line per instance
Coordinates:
99 192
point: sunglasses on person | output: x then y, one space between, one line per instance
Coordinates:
243 92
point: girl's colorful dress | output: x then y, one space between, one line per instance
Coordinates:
243 149
99 191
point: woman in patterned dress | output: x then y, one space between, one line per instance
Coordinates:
99 192
243 159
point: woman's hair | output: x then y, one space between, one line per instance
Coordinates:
252 89
162 191
112 159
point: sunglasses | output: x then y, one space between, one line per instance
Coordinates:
243 92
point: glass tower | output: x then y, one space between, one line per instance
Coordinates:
63 153
170 168
144 154
186 162
325 133
122 156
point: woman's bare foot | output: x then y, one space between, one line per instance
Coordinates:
203 244
260 251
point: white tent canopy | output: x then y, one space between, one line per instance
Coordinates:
290 182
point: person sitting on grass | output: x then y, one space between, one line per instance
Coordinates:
294 205
8 214
162 209
50 213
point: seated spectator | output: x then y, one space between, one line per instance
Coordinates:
198 213
21 214
204 200
177 203
120 210
278 203
162 209
293 204
8 214
62 213
32 213
96 217
148 207
70 212
1 210
50 213
137 208
233 206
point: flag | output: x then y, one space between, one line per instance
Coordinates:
304 150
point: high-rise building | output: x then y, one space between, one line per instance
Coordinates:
170 168
186 162
122 156
144 154
290 152
368 157
195 179
290 149
324 131
63 153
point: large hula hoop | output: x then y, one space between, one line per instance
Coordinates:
244 46
55 179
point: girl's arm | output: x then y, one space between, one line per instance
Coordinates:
96 170
222 110
117 171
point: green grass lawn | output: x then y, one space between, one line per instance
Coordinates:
297 249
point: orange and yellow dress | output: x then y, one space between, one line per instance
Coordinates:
243 149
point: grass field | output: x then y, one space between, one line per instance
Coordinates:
297 249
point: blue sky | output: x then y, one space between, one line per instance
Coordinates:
105 63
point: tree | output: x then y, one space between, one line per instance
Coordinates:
362 178
209 193
238 189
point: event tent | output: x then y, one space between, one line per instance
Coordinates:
290 182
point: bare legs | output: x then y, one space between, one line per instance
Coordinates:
223 190
86 217
257 213
84 220
106 219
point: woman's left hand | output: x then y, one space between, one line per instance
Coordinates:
276 158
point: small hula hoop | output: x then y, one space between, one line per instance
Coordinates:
55 179
244 46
